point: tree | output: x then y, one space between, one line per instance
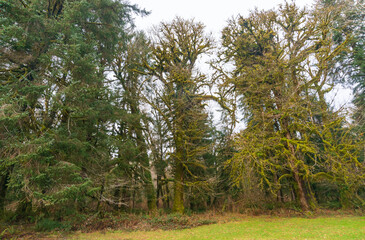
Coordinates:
176 47
56 105
159 140
351 68
128 69
282 60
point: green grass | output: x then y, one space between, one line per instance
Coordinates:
331 228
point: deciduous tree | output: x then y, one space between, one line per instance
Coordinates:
176 48
282 60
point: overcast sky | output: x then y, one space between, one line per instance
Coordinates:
214 14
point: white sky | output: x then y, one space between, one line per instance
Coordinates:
214 14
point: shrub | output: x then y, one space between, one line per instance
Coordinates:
46 225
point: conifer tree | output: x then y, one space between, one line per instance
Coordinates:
56 106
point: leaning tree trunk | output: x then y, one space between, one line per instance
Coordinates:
300 191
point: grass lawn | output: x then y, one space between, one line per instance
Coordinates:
332 228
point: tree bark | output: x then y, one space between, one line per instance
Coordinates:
178 205
300 191
166 198
300 188
4 179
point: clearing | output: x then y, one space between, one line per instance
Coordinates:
263 227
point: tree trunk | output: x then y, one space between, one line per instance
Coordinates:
147 176
279 195
117 192
4 179
100 195
166 196
300 188
150 192
301 193
178 205
159 193
125 198
292 193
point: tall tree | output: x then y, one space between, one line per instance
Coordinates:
128 69
176 47
351 64
56 105
159 140
282 60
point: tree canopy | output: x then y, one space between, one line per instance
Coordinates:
99 117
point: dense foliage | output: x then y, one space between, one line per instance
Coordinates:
95 116
293 138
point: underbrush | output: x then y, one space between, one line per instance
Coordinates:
131 222
103 222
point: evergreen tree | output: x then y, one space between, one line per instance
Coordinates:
128 70
56 105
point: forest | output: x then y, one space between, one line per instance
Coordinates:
97 116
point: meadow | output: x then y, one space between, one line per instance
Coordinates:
262 227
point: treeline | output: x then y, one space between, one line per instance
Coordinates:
97 116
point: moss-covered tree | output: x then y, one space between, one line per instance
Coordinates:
282 60
176 48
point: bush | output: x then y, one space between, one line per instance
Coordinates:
46 225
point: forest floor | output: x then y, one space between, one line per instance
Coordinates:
278 225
